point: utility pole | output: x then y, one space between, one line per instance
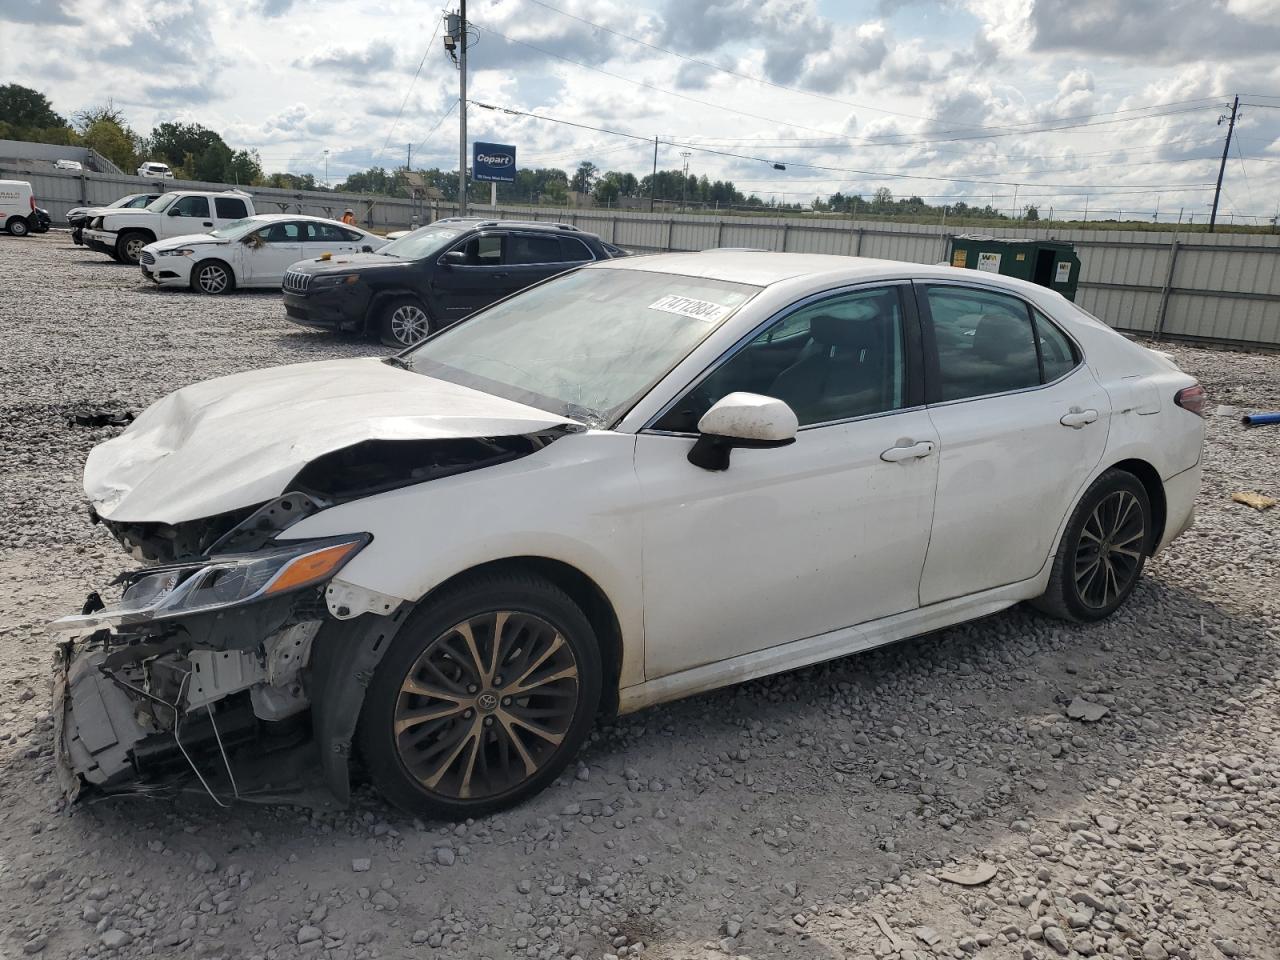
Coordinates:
653 183
462 108
684 179
408 160
1226 148
326 169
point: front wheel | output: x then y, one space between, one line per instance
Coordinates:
77 236
129 247
18 226
1102 552
403 322
212 277
486 694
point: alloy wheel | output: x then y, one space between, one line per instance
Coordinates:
212 278
486 705
1109 553
133 249
409 324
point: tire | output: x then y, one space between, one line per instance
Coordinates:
403 321
476 759
18 226
1114 514
212 277
129 246
77 236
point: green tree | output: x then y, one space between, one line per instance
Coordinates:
1032 213
584 177
214 164
882 200
245 167
22 107
117 143
374 180
182 144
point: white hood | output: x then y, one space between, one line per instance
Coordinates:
238 441
186 240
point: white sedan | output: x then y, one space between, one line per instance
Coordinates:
637 481
253 252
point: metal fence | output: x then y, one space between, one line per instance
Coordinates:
1216 288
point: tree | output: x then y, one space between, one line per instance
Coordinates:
22 107
86 118
245 167
214 163
584 177
117 143
882 200
1032 213
181 144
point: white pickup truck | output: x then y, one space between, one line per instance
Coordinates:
122 233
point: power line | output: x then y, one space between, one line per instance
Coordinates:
798 126
822 96
396 121
809 166
436 125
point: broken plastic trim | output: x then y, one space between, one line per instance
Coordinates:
221 582
376 466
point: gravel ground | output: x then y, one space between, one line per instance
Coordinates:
820 814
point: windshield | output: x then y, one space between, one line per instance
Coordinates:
237 228
161 202
585 345
423 242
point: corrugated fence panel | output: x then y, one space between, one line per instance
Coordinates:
1224 288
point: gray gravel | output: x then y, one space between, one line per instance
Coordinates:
808 815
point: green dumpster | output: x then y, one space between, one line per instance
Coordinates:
1050 263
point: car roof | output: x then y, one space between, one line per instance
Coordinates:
271 217
765 268
546 226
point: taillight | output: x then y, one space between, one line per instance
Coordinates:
1192 399
32 198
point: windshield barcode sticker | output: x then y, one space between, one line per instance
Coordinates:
703 310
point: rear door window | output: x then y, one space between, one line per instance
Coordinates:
230 208
984 342
527 248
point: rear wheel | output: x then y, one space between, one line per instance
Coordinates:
1102 552
212 277
77 236
18 226
129 246
403 322
485 695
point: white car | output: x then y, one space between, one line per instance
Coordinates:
639 480
155 169
253 252
74 165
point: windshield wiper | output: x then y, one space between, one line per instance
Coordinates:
576 411
396 360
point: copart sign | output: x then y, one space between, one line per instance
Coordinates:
493 162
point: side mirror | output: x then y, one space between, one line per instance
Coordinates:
455 258
366 249
174 211
742 420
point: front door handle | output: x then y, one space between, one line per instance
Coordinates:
906 450
501 276
1078 418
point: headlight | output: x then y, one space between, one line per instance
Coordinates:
217 583
333 280
184 252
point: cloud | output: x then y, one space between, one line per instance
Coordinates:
274 8
1167 31
364 64
196 93
39 12
172 35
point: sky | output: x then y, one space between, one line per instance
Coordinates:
1111 105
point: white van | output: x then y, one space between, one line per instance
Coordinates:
17 207
154 168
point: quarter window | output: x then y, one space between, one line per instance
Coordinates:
230 208
833 360
1057 353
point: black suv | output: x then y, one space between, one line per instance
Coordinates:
434 276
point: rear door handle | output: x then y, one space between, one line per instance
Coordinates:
906 450
208 223
501 276
1078 418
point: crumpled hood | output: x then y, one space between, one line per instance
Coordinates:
238 441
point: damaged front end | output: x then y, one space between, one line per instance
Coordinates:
202 666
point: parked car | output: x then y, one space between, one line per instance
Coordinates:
253 252
121 234
75 165
79 217
640 480
155 169
17 207
434 276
